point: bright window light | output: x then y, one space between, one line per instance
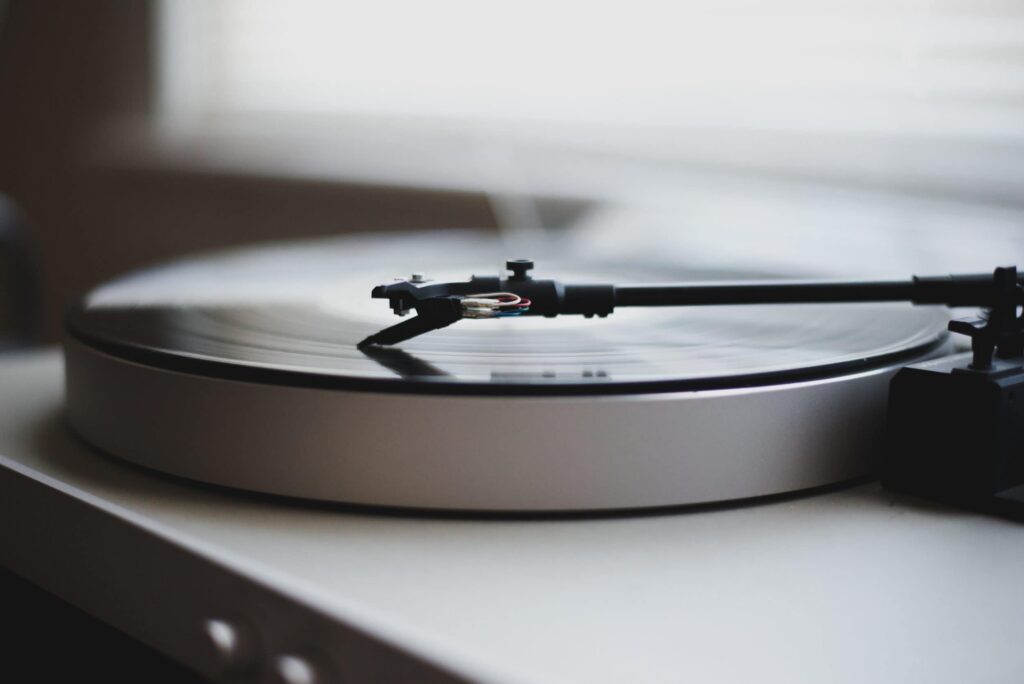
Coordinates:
954 67
893 89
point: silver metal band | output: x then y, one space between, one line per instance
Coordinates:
480 452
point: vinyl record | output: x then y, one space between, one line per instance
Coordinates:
294 315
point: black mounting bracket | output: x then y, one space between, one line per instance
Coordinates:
1001 332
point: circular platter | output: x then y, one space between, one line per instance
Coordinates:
241 368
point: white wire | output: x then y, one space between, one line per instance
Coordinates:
494 296
488 304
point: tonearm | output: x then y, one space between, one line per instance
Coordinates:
439 304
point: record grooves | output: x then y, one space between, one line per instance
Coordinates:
416 376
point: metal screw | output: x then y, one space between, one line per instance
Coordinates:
294 669
229 645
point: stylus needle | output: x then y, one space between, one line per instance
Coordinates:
431 314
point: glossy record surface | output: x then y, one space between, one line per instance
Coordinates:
292 314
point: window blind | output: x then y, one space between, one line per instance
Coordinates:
925 92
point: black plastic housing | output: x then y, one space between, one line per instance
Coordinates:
956 435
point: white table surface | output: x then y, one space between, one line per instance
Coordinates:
854 585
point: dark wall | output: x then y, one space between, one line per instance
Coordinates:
71 70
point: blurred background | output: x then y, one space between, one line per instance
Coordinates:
806 137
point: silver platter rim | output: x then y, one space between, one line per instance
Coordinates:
467 453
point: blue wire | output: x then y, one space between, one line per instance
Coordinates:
511 313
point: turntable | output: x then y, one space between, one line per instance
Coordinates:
248 369
367 519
